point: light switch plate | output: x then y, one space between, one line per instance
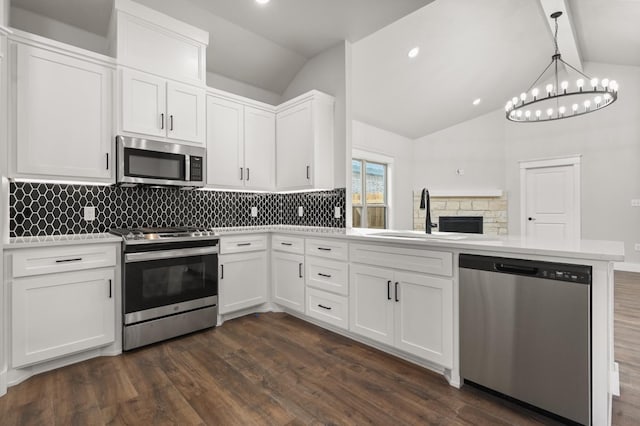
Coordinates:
300 211
336 212
89 213
254 212
635 202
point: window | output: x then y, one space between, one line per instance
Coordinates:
369 194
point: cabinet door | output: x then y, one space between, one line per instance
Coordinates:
60 314
243 280
288 280
186 111
225 143
371 302
294 147
259 148
424 317
144 103
63 115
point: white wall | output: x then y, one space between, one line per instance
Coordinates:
609 142
326 72
4 13
227 84
372 139
475 146
32 22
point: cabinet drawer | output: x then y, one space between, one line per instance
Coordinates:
53 260
328 307
331 249
242 243
288 244
406 259
328 275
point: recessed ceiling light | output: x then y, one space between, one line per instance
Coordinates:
477 101
262 1
413 52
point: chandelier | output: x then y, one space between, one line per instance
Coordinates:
561 101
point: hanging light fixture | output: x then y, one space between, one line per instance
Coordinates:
558 100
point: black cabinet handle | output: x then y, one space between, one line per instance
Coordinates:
76 259
110 291
171 122
397 299
241 173
532 218
324 249
107 160
248 174
221 272
162 121
308 169
328 308
324 275
300 270
286 244
389 290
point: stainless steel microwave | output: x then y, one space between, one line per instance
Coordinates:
149 162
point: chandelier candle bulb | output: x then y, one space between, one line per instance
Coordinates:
523 96
519 113
550 112
564 85
549 89
527 114
580 83
598 100
515 100
605 83
587 104
538 114
534 93
594 83
574 107
561 110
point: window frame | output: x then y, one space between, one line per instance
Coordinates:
364 158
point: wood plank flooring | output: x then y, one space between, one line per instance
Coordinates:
274 369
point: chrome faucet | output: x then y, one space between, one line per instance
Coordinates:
425 204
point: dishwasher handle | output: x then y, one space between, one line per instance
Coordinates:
516 269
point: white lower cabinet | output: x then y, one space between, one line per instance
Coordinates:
243 281
59 314
288 280
410 311
328 307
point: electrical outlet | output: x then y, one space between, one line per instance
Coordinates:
337 213
254 212
635 202
637 247
89 213
460 172
300 211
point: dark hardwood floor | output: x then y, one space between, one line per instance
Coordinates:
277 369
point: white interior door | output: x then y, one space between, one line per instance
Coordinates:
551 199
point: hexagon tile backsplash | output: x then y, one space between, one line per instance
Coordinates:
50 209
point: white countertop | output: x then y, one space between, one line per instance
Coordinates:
58 240
578 249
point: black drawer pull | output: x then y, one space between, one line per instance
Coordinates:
324 249
76 259
300 270
389 290
324 275
328 308
221 272
243 244
286 244
110 290
397 299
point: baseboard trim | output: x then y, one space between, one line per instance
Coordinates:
627 267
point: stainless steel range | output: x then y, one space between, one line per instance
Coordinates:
170 283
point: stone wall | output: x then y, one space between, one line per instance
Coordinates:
492 209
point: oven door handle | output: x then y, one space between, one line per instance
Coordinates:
169 254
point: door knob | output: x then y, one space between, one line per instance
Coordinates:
532 218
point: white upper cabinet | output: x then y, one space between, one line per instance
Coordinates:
186 112
259 147
240 145
143 103
225 143
304 142
62 115
153 106
147 40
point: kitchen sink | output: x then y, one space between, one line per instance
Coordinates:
418 235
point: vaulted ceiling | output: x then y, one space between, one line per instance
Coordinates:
487 49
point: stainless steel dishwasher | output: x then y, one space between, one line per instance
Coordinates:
525 332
